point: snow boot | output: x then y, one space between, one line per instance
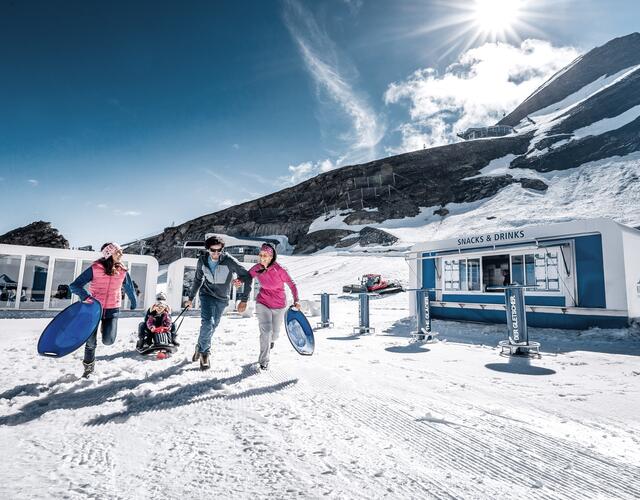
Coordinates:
174 340
264 367
196 355
204 361
88 369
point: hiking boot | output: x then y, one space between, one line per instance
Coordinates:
140 344
204 361
196 355
88 369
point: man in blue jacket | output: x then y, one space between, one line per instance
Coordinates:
214 276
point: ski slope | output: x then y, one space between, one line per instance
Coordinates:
365 417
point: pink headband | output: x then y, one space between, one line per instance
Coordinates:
110 249
266 249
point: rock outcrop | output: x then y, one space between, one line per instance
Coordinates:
36 234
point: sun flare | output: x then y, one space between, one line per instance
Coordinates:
495 17
468 23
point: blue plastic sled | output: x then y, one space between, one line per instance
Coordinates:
299 332
69 329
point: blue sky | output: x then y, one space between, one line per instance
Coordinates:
120 118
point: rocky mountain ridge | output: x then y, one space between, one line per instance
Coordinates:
36 234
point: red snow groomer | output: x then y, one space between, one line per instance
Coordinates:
375 284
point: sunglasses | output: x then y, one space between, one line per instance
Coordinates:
215 250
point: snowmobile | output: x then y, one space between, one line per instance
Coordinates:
374 283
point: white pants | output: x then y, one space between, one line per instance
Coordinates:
269 321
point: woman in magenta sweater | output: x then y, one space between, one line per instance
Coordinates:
271 302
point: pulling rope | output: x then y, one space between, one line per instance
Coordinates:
178 325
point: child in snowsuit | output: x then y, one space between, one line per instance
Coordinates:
158 315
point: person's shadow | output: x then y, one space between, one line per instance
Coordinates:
135 355
199 392
71 400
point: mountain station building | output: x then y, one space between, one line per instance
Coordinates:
581 274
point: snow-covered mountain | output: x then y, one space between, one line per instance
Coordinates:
574 153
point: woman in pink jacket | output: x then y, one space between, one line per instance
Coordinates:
106 277
271 303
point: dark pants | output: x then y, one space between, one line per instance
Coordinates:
109 329
210 312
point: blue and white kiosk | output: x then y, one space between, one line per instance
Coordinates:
578 274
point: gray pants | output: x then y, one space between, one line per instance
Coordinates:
269 321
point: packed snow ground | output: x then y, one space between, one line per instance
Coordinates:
365 417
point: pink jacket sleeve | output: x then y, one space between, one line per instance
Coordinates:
166 320
253 272
284 276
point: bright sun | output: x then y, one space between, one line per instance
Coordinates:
496 17
468 23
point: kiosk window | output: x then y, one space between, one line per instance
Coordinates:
523 270
495 272
462 274
536 270
451 275
546 271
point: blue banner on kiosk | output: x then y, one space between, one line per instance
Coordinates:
516 317
424 312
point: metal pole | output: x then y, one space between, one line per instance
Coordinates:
325 320
423 315
363 313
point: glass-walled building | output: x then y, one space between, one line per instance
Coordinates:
38 278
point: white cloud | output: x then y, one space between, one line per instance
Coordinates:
226 203
102 205
306 170
235 146
330 72
220 204
128 213
485 83
33 182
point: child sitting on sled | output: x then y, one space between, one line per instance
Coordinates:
157 321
